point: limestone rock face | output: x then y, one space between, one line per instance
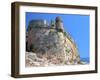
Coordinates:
53 45
47 41
47 46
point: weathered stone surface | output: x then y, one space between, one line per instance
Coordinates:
50 46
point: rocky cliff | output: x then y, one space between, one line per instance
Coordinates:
50 46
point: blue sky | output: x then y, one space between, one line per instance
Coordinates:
76 25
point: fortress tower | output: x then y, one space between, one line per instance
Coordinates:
59 24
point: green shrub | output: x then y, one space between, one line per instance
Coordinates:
59 30
68 50
65 34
